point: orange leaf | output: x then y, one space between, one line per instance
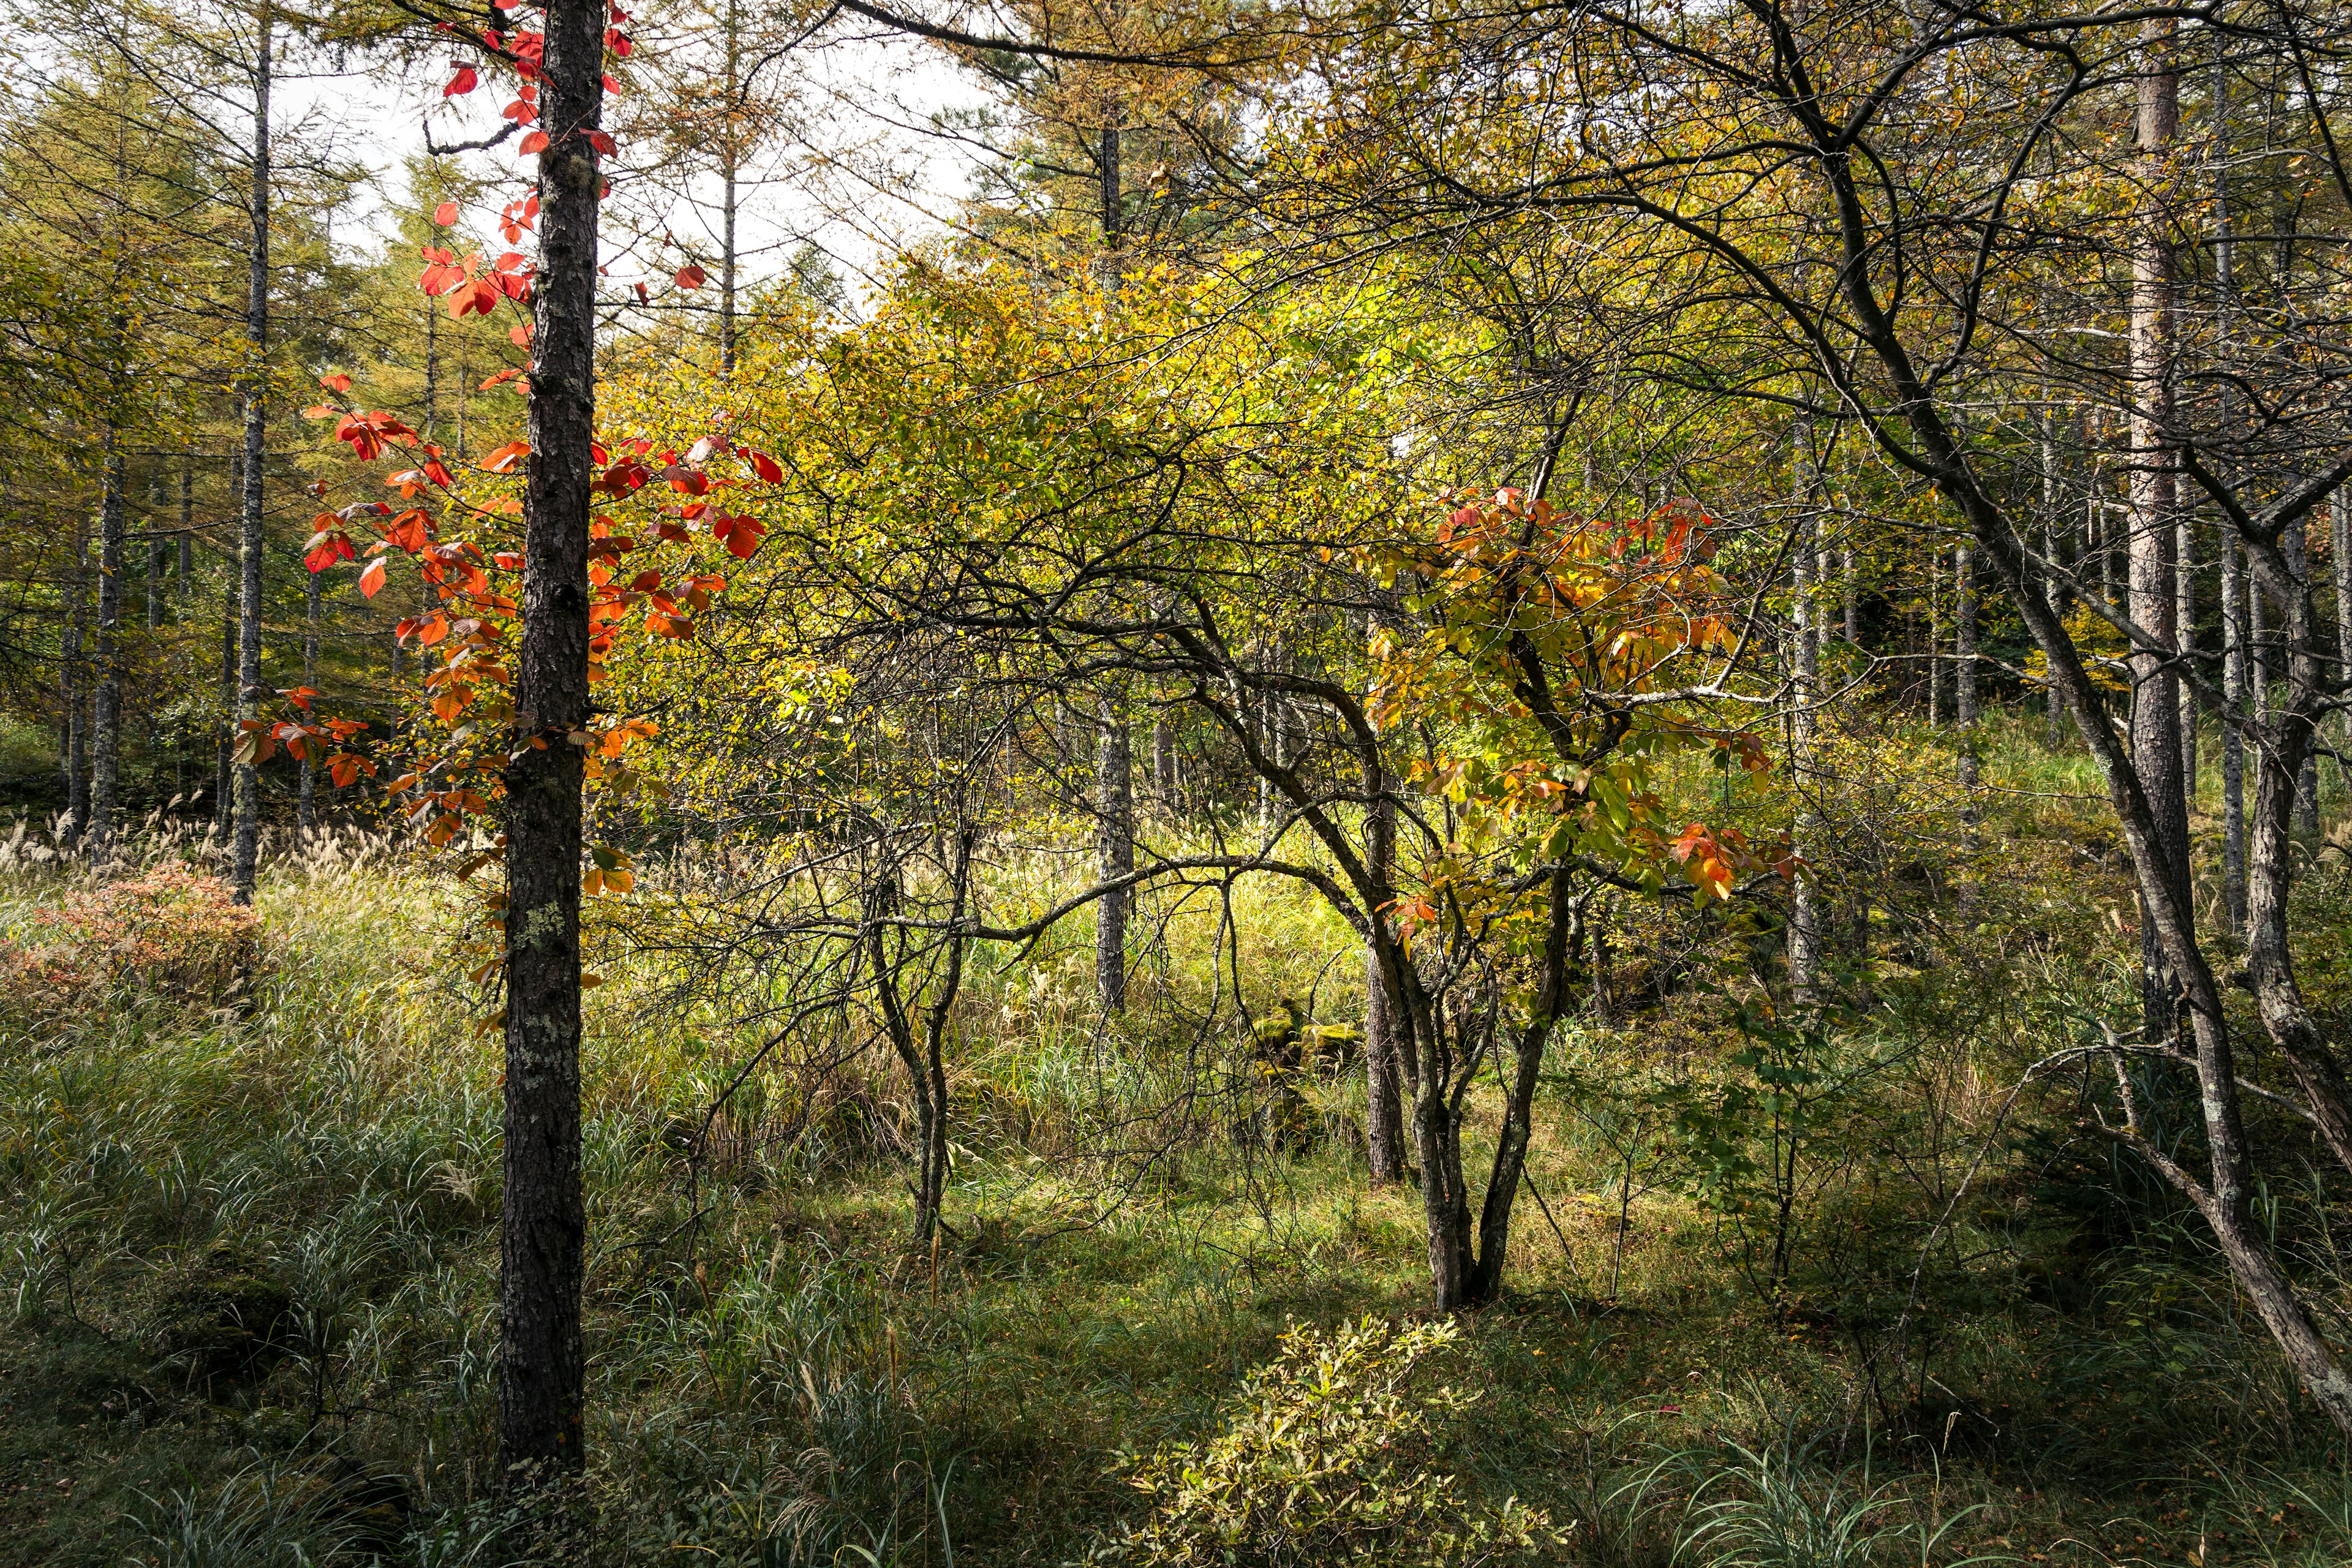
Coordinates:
371 579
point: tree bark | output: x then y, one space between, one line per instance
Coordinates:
75 693
541 1367
1383 1080
245 864
2155 692
1114 849
1964 681
106 710
2233 584
225 735
2340 519
306 802
1804 614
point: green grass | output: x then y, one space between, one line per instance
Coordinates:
248 1279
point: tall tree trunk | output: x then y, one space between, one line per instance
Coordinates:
224 734
2306 788
542 1243
2233 741
2233 583
1935 639
2155 702
1114 849
307 804
74 691
2184 617
106 711
2053 536
729 157
2340 519
187 568
1384 1076
246 864
1804 616
1964 682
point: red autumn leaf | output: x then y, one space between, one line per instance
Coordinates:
445 214
465 81
767 467
338 382
602 142
326 549
643 297
689 276
534 143
320 411
505 457
611 86
373 578
479 298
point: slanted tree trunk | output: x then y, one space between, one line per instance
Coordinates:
106 710
246 861
542 1241
2156 699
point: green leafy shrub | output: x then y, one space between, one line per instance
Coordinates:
1325 1459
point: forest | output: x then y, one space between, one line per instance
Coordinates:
1241 782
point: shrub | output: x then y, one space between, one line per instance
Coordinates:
1324 1460
172 932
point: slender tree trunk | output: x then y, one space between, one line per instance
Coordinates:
542 1243
729 160
307 804
187 568
1964 683
2307 791
2339 518
2155 702
2184 612
225 735
106 711
76 693
1804 616
1562 937
2233 584
1115 849
1164 763
1935 639
1384 1076
2234 742
246 864
2053 536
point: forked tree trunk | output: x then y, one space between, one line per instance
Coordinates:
543 1240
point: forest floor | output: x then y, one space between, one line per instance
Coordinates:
249 1255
